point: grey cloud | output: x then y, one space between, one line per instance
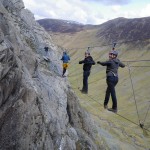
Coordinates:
82 11
110 2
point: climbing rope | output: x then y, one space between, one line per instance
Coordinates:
146 114
139 66
120 115
103 45
141 124
133 92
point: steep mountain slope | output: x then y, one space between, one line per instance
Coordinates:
118 30
62 26
38 110
133 43
122 29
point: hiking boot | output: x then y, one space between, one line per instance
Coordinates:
105 107
113 110
63 76
83 92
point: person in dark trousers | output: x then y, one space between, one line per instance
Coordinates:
112 79
88 62
65 58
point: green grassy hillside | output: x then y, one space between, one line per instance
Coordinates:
123 126
93 102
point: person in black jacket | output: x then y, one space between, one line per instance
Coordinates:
88 62
112 78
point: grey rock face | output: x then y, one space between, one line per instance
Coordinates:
1 36
37 109
13 5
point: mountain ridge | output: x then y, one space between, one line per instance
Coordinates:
115 30
64 26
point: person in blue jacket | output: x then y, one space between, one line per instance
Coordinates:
112 78
65 58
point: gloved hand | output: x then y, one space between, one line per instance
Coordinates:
98 62
80 62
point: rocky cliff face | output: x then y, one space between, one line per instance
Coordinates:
38 110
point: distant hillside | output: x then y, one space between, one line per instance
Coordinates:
120 29
125 29
62 26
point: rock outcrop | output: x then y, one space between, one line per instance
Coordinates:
38 109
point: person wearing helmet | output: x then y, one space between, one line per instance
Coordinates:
111 78
65 58
47 54
88 62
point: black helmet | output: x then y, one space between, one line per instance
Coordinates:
64 52
114 52
46 48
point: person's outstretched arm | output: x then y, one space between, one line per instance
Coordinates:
81 62
122 65
106 63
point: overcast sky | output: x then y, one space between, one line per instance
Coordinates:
88 11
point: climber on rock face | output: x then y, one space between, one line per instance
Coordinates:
112 78
47 54
65 58
88 62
